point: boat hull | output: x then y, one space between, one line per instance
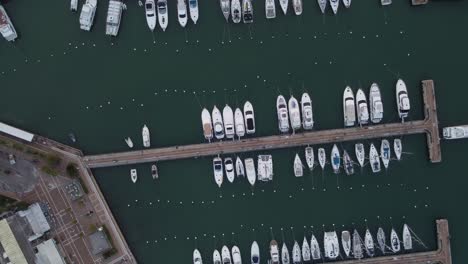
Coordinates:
376 105
307 113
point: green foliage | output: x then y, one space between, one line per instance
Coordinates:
49 170
109 253
53 160
72 171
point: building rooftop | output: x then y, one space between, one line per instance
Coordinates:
12 250
36 220
99 242
47 253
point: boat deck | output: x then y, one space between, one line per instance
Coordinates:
429 126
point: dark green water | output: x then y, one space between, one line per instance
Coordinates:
56 79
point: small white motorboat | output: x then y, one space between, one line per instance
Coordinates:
150 12
207 124
225 8
385 2
236 255
376 105
163 14
239 123
250 171
284 5
294 113
335 159
216 257
74 5
360 153
369 243
285 257
307 114
133 175
403 102
228 119
334 5
309 155
348 163
229 168
322 158
249 118
129 142
270 9
197 259
146 137
346 242
397 148
274 252
298 167
315 248
381 240
296 253
254 253
240 170
297 6
305 250
236 11
374 159
218 125
357 245
88 12
385 152
182 12
362 108
349 109
347 3
282 112
193 8
323 5
154 172
455 132
394 241
226 255
407 238
218 170
247 11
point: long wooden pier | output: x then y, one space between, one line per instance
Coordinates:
429 126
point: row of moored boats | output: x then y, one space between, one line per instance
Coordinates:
352 246
237 168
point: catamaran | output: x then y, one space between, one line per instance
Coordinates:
348 163
385 152
397 148
193 8
239 123
216 257
360 153
305 250
294 113
228 118
236 256
274 252
407 239
236 11
307 114
249 118
455 132
133 175
347 3
240 170
197 259
154 172
402 98
346 242
250 171
254 253
284 5
218 123
282 111
335 4
146 136
270 9
226 255
265 168
114 16
357 245
163 15
182 14
331 244
225 8
247 11
296 253
394 241
315 248
298 167
349 110
369 243
309 155
376 105
88 11
297 5
207 124
285 258
374 159
323 5
129 142
229 168
150 12
322 158
381 240
218 171
335 159
361 108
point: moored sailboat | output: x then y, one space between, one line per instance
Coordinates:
374 159
285 258
334 5
305 250
385 152
347 3
335 159
309 154
154 172
197 259
360 153
284 5
297 6
240 170
394 241
216 257
331 244
274 252
254 253
397 148
298 167
323 5
225 8
236 11
315 248
346 242
357 245
322 158
296 253
348 163
129 142
369 243
407 239
236 255
226 255
250 171
381 240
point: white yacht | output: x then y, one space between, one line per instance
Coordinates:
129 142
114 16
346 242
154 172
236 11
133 175
146 137
407 239
182 12
307 114
455 132
322 158
197 259
369 243
228 119
296 253
381 240
385 2
207 124
218 125
385 152
349 109
323 5
249 118
362 108
274 252
250 171
298 167
73 5
294 113
225 8
193 8
335 159
285 257
265 168
270 9
218 171
254 253
239 123
331 244
240 170
7 29
357 245
309 155
216 257
150 12
236 256
315 248
163 14
247 11
282 111
284 5
402 98
88 11
347 3
394 241
305 250
334 5
297 6
376 105
374 159
360 153
226 255
229 168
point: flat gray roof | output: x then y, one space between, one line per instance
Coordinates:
16 132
